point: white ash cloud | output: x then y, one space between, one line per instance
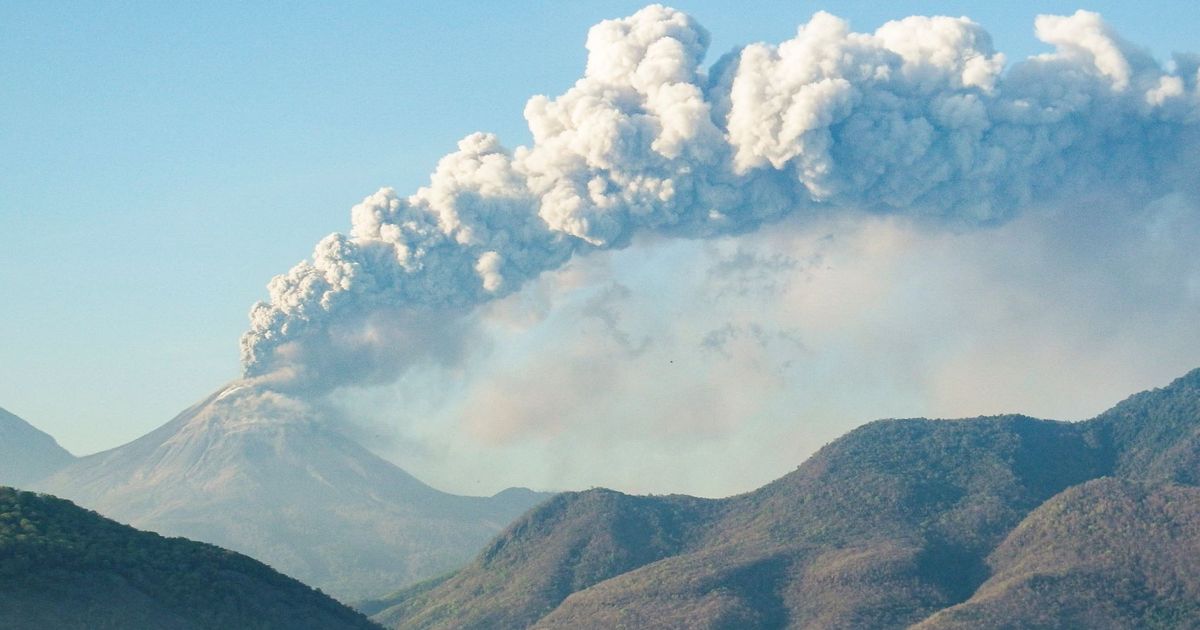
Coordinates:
918 118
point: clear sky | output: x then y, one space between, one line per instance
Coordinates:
159 162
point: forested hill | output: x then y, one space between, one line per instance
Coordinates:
987 522
64 567
1107 554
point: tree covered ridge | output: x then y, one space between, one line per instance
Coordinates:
1107 554
883 528
1155 435
53 552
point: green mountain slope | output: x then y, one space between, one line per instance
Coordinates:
27 454
571 542
64 567
878 529
1155 435
1108 554
883 528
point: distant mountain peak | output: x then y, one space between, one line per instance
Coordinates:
272 476
242 405
27 454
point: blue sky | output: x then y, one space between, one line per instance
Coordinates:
161 161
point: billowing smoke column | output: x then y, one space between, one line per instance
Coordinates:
919 117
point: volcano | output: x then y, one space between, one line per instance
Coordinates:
265 474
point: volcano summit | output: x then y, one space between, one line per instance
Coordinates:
265 474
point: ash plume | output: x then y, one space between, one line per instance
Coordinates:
920 118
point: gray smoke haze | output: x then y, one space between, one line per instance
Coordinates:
919 118
764 346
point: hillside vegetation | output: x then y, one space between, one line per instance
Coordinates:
573 541
1108 554
64 567
898 523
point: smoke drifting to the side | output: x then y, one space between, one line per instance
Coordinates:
918 118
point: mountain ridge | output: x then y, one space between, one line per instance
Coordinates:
27 453
1120 579
885 527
